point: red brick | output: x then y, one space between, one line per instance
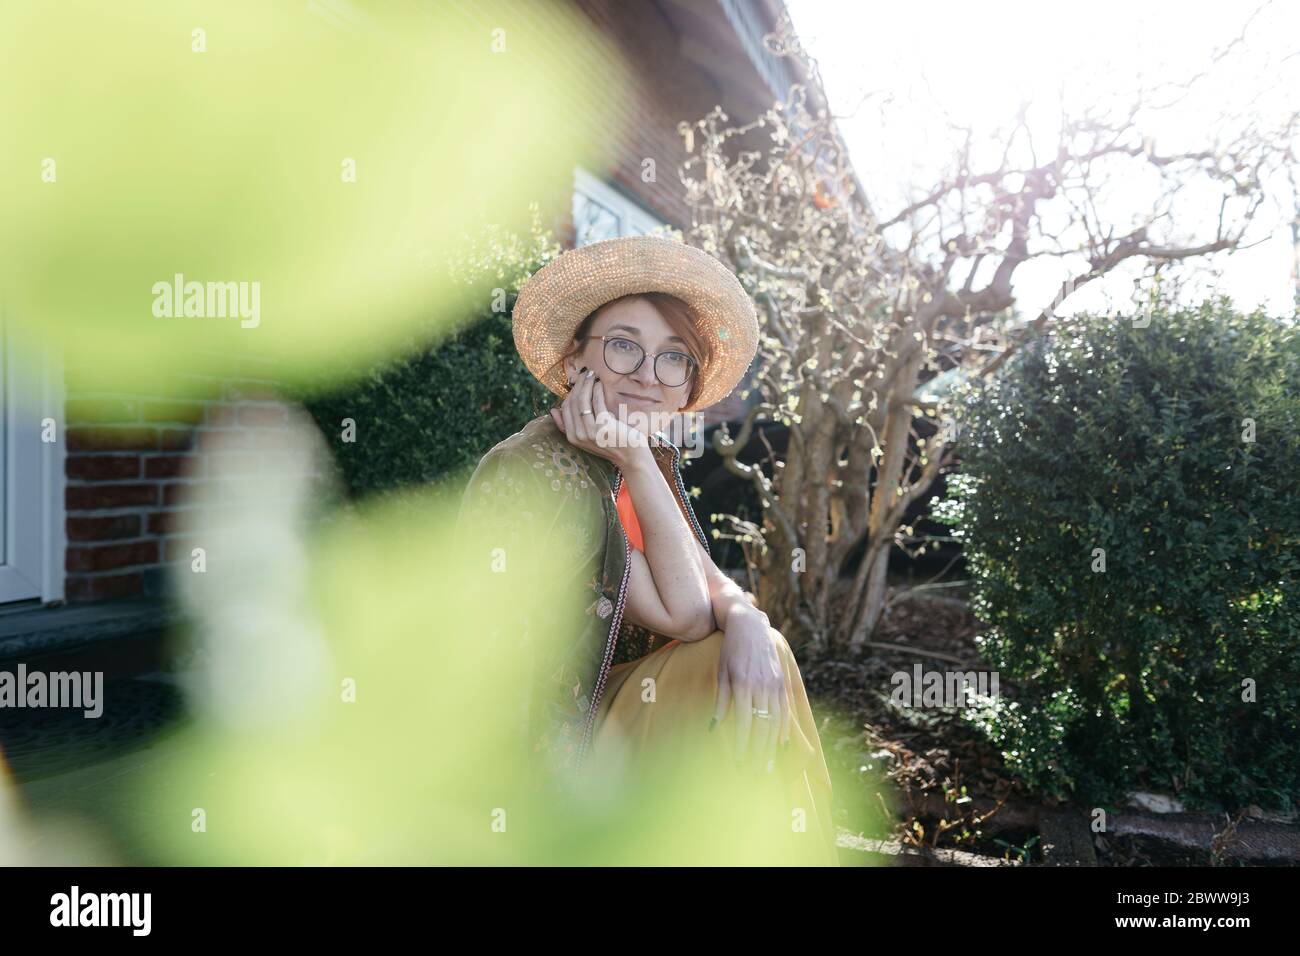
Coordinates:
78 589
103 467
110 438
161 522
176 439
105 528
109 557
99 497
169 466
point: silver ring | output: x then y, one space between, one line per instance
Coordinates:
761 713
587 411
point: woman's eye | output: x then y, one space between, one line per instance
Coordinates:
624 345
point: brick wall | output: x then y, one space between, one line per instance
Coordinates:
665 91
132 458
671 86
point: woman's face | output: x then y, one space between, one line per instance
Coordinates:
638 391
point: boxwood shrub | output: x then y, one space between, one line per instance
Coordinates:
430 413
1128 507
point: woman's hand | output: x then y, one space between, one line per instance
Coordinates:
751 676
601 432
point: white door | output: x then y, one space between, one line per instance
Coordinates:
31 470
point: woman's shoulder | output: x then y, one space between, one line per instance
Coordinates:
526 445
539 456
540 429
533 476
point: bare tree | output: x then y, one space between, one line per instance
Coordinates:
867 314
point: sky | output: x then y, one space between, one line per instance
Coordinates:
892 71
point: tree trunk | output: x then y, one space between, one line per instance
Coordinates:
886 513
874 600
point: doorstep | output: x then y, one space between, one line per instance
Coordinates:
120 637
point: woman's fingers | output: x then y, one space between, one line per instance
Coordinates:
566 409
589 403
581 420
599 408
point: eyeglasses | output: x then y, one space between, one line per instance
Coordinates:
625 356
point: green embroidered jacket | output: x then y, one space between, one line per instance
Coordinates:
537 502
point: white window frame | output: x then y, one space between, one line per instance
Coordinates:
633 219
35 535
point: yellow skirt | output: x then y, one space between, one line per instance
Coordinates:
685 680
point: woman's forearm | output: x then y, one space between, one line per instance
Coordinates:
669 544
727 598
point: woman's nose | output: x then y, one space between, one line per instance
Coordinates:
645 375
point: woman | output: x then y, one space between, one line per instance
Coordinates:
631 331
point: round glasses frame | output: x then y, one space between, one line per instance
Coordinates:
691 364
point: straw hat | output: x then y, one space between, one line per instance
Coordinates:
555 300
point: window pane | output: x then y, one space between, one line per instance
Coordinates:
592 221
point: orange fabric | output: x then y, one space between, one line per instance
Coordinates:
628 517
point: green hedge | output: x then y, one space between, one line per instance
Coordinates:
432 413
1106 435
